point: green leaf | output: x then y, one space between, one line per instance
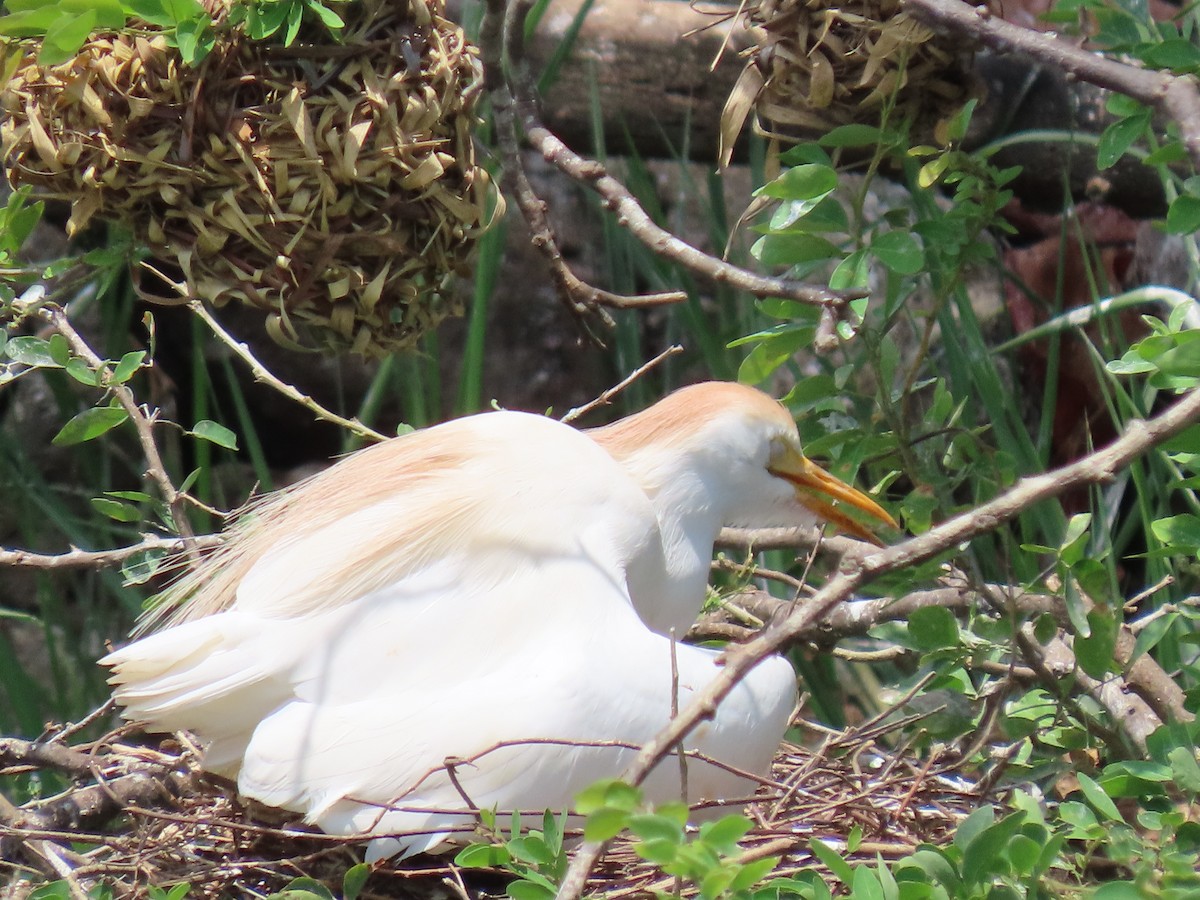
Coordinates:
772 353
609 792
866 885
984 856
833 861
531 849
956 128
89 424
55 890
933 628
294 17
1185 768
1118 137
851 136
523 889
208 430
725 833
141 567
752 873
482 856
1119 890
1178 54
195 38
651 826
1095 651
938 867
1099 800
1075 539
305 887
79 369
788 249
29 23
1183 215
605 823
852 272
31 351
932 171
974 825
64 38
713 884
1024 853
130 363
1150 635
900 251
354 880
60 350
804 182
328 17
115 509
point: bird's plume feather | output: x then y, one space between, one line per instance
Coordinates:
413 475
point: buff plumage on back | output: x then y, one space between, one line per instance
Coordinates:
424 480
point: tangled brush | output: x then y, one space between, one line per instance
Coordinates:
816 65
140 812
333 185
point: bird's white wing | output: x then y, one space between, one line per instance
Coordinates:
362 746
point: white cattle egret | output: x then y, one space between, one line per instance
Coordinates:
460 617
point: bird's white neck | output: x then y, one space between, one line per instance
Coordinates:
689 521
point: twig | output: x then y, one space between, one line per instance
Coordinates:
99 559
143 420
606 397
1098 467
1173 95
885 654
264 375
513 98
582 298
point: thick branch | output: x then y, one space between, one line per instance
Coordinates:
1173 95
1095 468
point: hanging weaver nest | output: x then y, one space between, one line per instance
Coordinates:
333 185
816 65
181 826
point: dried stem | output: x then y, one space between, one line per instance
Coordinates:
607 396
263 374
99 559
582 299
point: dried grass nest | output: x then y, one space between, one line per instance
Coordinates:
817 64
331 184
186 828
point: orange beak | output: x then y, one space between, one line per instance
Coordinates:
818 491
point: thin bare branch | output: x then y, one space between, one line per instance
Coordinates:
606 397
263 374
100 559
515 103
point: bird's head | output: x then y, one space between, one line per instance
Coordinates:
739 450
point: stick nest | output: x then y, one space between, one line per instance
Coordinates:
332 185
817 64
139 814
